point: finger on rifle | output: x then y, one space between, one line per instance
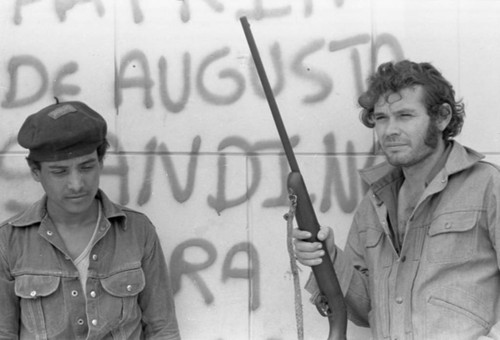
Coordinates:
323 233
300 234
309 258
308 247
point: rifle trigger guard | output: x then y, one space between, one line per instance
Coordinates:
322 305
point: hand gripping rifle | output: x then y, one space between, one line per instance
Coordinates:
333 301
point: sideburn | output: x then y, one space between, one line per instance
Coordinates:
432 135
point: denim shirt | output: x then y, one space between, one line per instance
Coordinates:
128 291
444 280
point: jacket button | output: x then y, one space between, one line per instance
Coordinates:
399 300
94 322
80 322
129 288
403 258
33 293
93 294
74 293
94 257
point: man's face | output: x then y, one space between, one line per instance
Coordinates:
70 185
406 133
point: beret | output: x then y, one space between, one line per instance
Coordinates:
62 131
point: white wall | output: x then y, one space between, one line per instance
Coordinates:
193 141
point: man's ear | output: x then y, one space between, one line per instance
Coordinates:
35 173
444 116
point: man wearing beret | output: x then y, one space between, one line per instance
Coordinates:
75 265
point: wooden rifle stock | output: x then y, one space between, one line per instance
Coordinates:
324 273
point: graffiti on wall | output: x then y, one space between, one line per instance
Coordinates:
151 77
346 193
194 77
257 10
57 87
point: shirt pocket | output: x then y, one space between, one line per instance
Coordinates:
453 310
119 303
378 259
452 237
376 251
42 306
373 237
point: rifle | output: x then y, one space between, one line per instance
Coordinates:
334 306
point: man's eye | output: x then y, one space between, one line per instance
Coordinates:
58 172
87 168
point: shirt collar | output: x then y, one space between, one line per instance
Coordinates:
439 164
37 211
456 158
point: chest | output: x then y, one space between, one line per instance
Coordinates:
407 201
407 198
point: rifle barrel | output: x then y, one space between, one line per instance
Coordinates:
268 91
306 218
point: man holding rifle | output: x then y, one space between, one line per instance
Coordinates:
422 255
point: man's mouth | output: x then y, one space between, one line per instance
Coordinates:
393 144
74 197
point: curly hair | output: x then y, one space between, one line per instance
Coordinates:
392 77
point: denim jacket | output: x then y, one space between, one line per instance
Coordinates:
128 292
444 280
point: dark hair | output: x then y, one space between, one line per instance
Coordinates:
393 77
101 152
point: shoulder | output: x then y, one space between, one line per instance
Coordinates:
116 211
130 211
489 166
131 221
10 234
135 215
134 221
8 223
6 227
490 173
485 170
465 159
481 179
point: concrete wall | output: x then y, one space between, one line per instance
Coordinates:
193 141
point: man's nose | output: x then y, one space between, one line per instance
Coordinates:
393 127
75 181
